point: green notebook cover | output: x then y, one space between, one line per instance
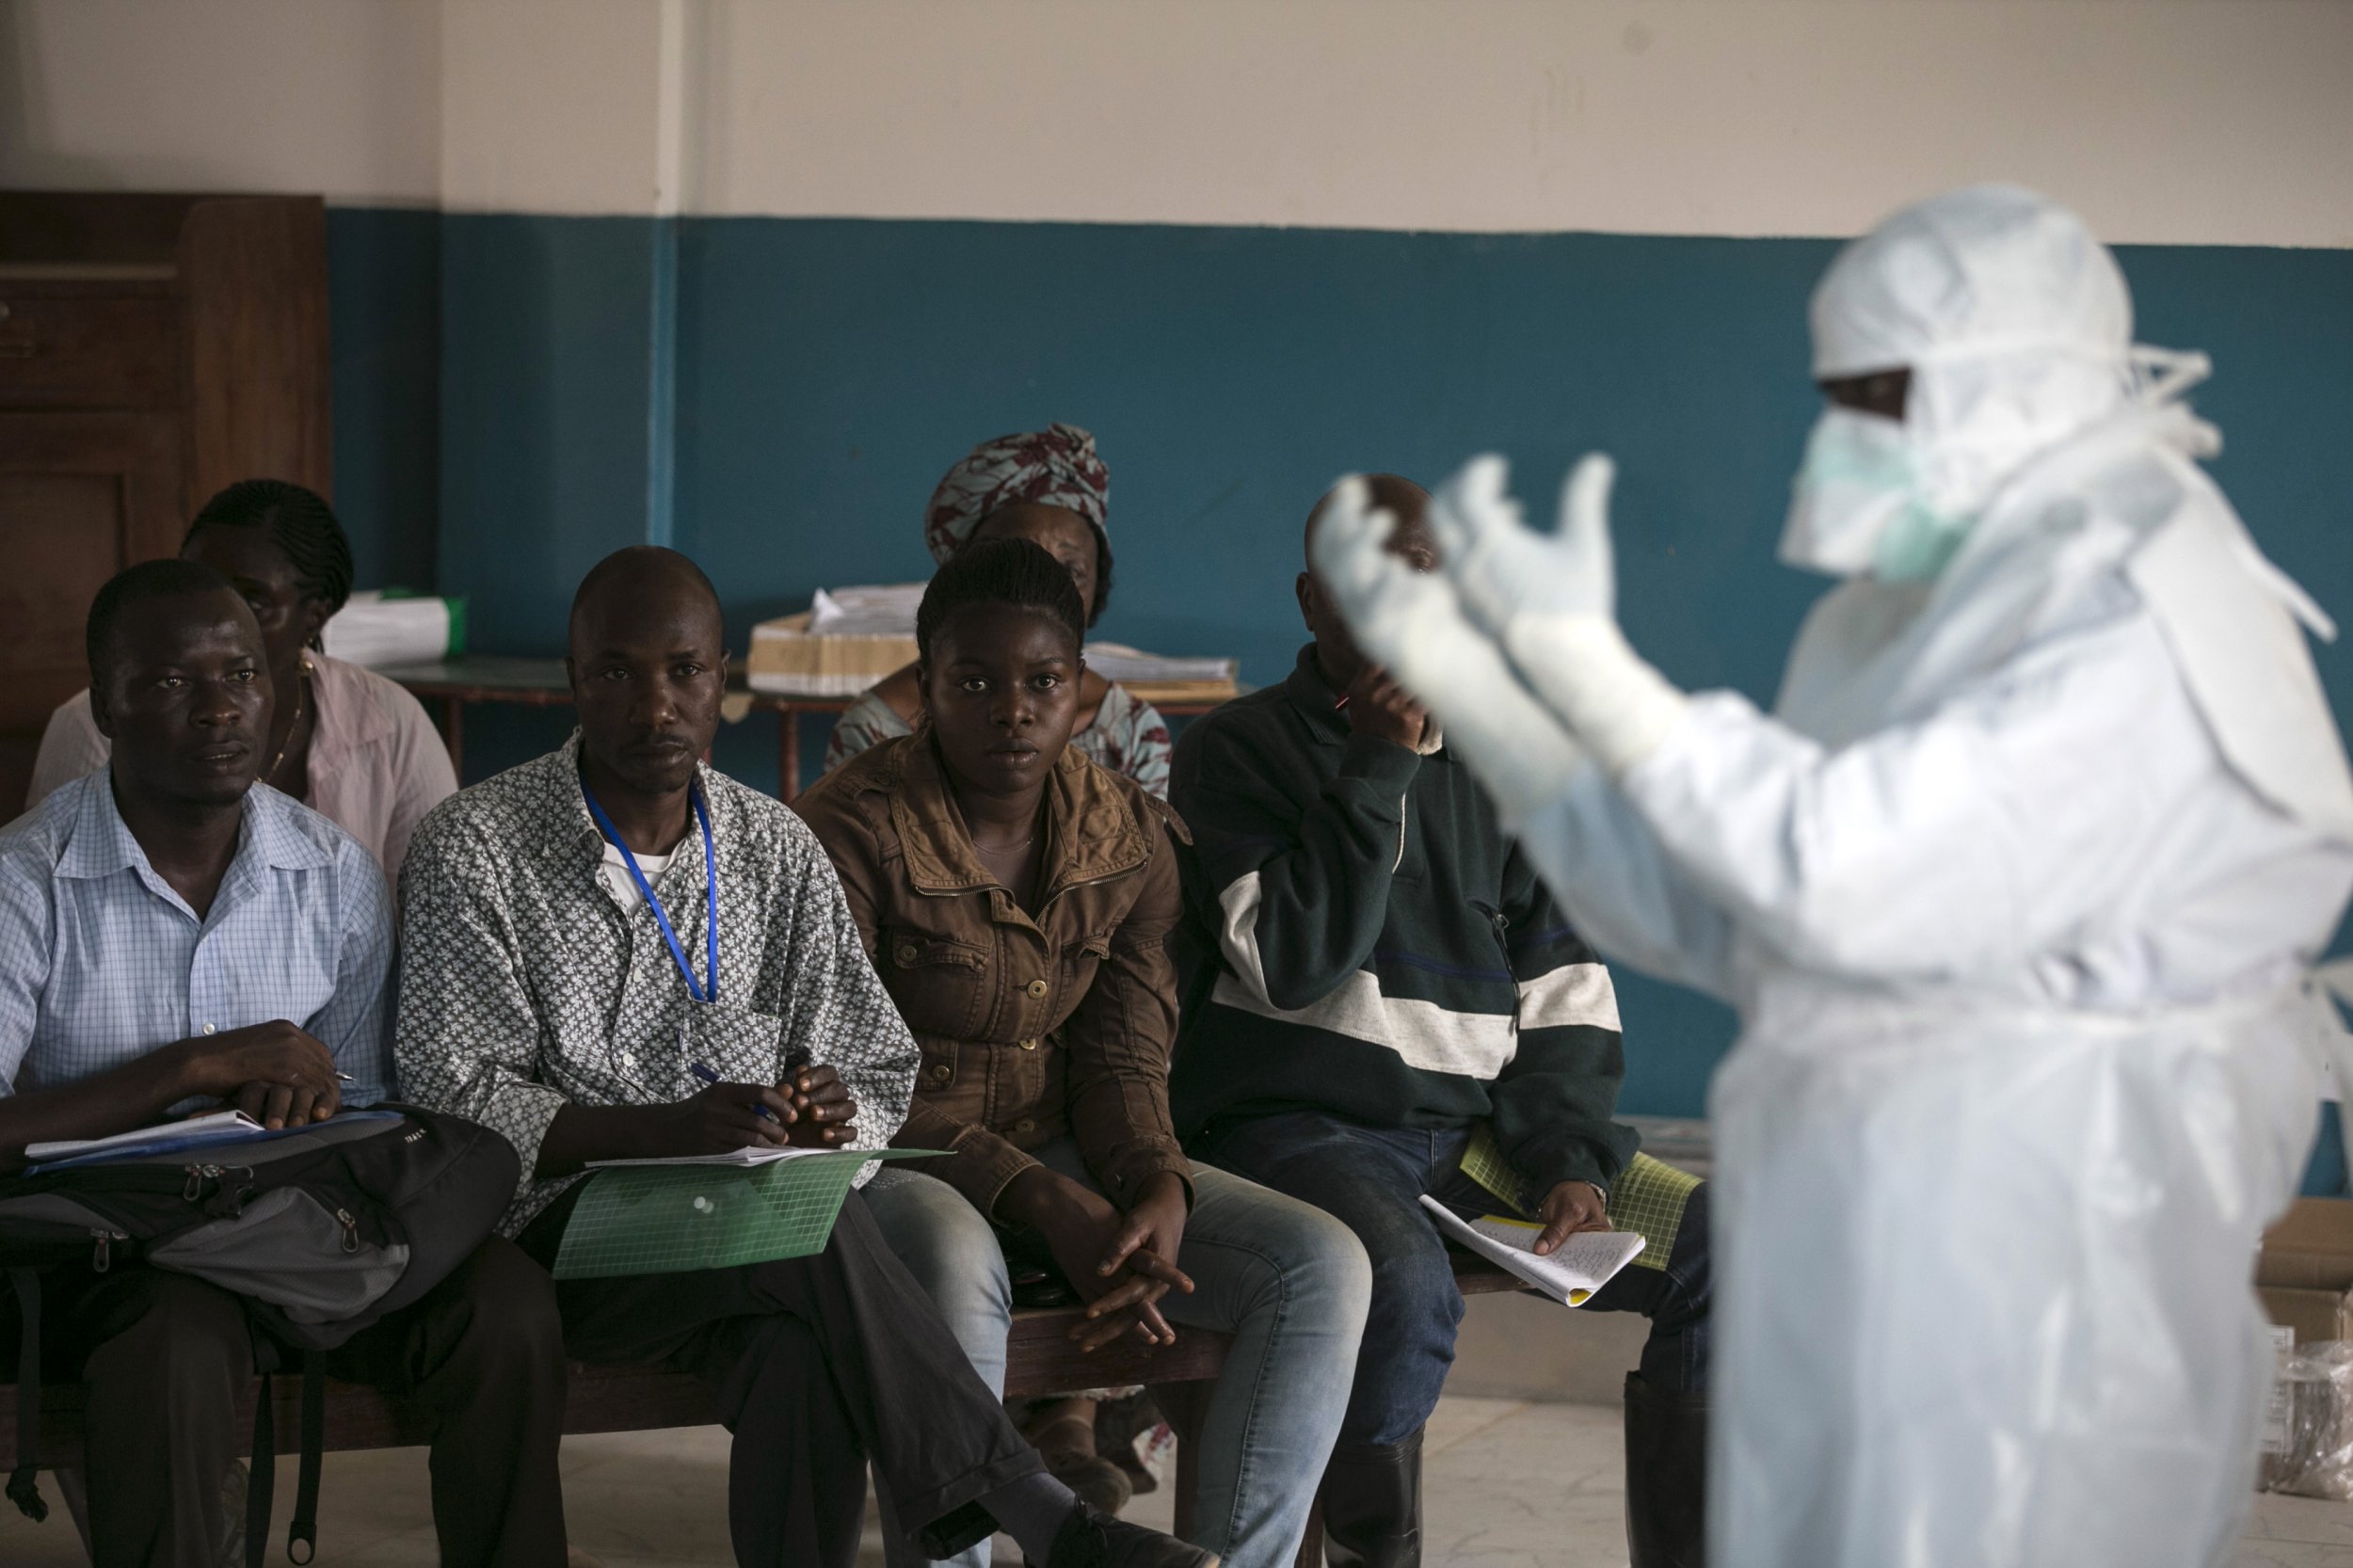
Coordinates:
672 1218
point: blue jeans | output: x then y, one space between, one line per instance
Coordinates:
1290 1283
1371 1178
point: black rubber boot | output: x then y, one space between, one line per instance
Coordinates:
1372 1505
1666 1477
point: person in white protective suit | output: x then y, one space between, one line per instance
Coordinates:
2015 891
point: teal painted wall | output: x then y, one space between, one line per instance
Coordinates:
825 372
384 304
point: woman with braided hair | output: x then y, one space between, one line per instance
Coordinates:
345 741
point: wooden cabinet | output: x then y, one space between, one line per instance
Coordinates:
152 349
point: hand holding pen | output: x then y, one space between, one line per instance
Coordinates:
810 1103
747 1113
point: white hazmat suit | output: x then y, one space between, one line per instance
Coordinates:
2015 892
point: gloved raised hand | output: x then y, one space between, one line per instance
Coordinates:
1504 569
1411 623
1551 601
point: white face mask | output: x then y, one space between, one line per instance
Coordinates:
1859 504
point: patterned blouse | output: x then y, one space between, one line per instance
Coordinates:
527 984
1128 736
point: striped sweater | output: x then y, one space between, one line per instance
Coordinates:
1362 939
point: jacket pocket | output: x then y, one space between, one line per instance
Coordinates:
940 983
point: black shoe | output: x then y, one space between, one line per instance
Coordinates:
1666 1477
1372 1505
1091 1539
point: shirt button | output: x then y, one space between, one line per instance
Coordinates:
1029 1045
906 952
943 1072
209 1028
1037 987
1025 1126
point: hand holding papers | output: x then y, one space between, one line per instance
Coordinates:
1570 1275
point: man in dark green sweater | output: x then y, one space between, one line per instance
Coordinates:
1379 988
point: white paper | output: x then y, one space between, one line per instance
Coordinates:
751 1154
1134 667
385 633
869 610
196 1129
1569 1275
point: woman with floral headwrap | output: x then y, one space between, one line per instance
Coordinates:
1049 487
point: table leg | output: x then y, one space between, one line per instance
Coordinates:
454 735
787 753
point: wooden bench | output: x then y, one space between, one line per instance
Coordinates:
1040 1360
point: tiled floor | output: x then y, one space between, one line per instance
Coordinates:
656 1500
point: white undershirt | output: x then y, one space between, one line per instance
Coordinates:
613 873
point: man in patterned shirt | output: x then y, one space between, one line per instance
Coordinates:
590 939
163 921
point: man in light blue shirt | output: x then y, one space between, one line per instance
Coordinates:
172 935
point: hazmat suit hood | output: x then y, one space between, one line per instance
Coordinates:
2016 326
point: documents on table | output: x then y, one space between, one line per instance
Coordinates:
208 1128
1570 1274
750 1154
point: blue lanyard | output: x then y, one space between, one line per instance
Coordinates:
644 890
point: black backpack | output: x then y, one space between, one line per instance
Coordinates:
321 1230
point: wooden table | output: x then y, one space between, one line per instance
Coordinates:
541 683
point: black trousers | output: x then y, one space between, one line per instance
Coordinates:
166 1358
817 1364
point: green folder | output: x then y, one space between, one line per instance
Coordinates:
671 1219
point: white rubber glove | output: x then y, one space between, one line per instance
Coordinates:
1504 569
1551 600
1411 624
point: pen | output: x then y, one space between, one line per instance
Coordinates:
704 1070
347 1078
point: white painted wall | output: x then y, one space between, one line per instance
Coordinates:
2193 121
2212 121
283 96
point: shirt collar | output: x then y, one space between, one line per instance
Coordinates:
1306 690
1092 834
571 833
102 843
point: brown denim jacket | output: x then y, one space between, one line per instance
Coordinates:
1031 1028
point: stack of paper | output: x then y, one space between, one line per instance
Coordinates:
209 1129
386 632
1569 1275
874 610
790 658
1134 667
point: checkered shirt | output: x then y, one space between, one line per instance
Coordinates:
102 962
525 984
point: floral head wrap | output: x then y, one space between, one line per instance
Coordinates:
1053 466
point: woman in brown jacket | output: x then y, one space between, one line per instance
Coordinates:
1015 899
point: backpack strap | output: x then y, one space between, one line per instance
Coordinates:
304 1530
23 1487
263 1479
